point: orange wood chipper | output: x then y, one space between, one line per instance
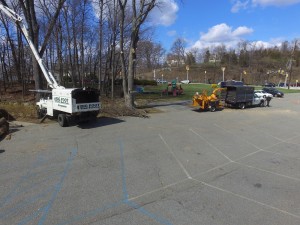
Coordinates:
213 102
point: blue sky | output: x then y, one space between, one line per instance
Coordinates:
205 23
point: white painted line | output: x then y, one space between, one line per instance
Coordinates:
159 189
261 149
245 140
249 199
268 171
217 167
178 161
235 161
218 150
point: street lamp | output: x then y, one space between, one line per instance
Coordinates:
223 69
187 72
244 72
162 78
205 76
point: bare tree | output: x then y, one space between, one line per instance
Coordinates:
149 55
178 50
12 43
138 16
290 62
29 12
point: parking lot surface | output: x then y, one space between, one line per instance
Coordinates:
177 167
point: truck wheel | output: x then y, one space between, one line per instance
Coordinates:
242 105
62 120
212 108
40 113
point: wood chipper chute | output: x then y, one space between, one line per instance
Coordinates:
213 102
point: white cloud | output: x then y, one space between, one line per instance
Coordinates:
224 33
165 13
274 2
240 5
172 33
241 31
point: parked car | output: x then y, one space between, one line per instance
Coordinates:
223 84
273 91
262 93
283 84
185 81
269 84
294 85
161 81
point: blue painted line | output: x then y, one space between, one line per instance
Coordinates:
32 175
125 193
23 205
49 178
30 217
10 195
57 189
124 186
151 215
91 213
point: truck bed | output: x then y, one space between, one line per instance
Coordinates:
239 94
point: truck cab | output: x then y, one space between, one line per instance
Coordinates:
258 100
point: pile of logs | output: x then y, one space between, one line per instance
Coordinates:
4 127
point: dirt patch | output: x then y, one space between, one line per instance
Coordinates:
20 106
27 112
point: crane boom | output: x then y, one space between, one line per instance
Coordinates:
19 21
65 104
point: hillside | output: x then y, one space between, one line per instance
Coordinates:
214 74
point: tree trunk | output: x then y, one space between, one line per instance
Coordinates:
100 45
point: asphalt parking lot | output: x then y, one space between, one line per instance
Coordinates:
178 167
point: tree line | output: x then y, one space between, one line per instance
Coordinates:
101 42
80 41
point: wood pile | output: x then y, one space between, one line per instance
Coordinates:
4 127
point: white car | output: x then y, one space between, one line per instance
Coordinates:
185 82
263 93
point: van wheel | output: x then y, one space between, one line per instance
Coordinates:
62 120
242 105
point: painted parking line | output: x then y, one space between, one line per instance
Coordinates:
40 159
124 201
58 187
173 154
125 193
52 191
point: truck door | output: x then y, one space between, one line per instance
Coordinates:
256 100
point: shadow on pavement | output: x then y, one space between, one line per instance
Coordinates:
157 104
100 122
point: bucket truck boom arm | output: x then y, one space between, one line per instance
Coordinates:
65 104
19 21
